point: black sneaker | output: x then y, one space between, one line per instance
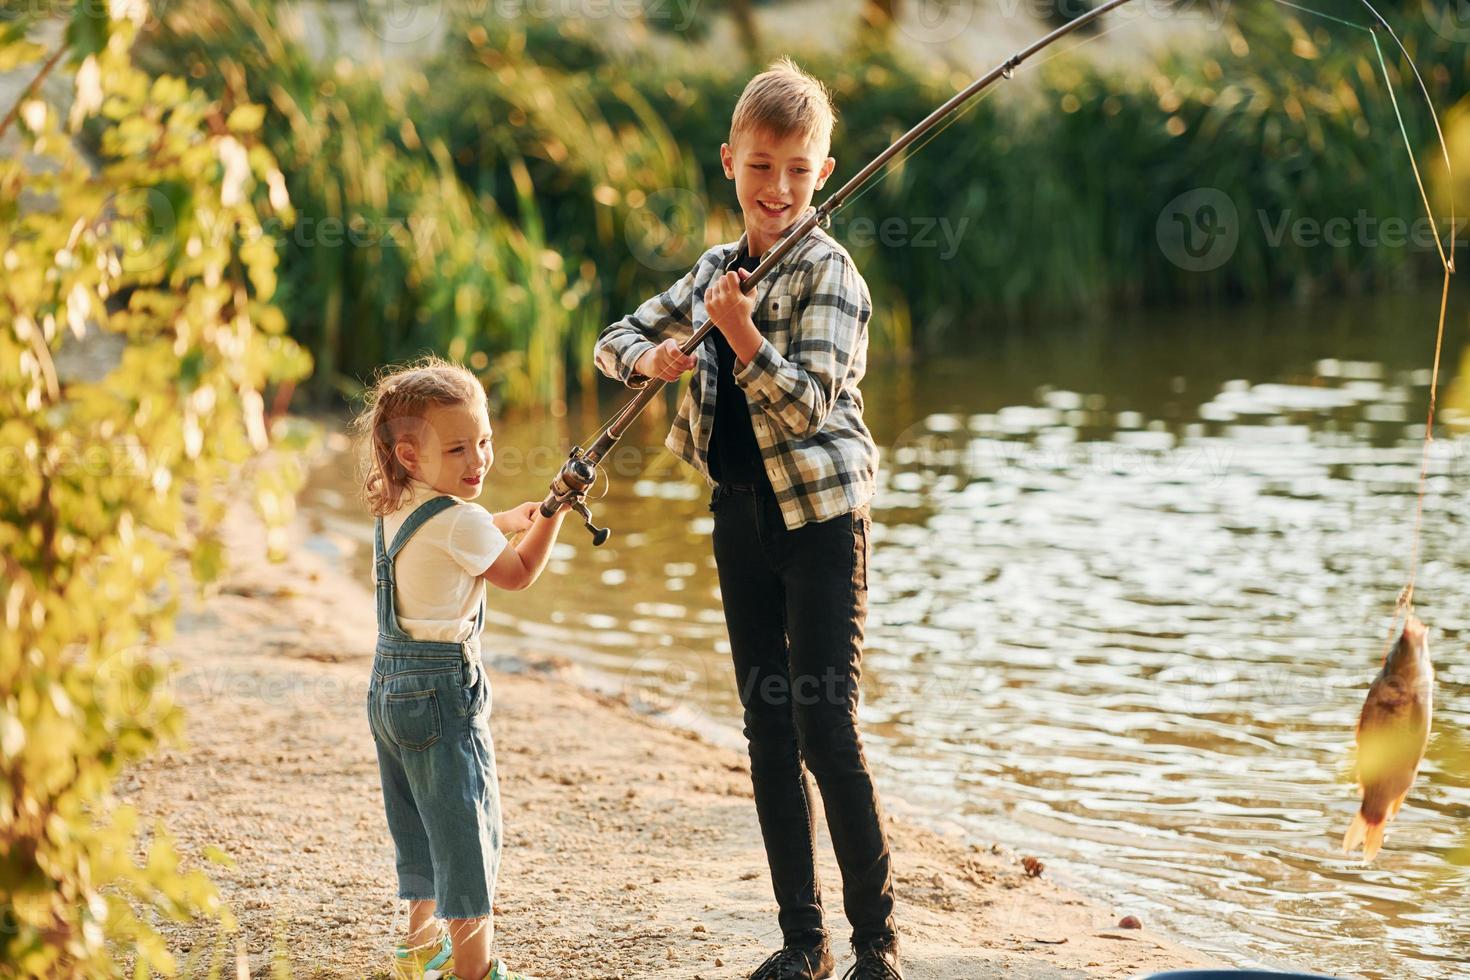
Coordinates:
875 963
804 962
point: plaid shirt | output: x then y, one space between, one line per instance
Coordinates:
801 387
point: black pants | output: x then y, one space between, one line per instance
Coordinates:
795 603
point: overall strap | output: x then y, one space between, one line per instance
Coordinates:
383 562
420 516
383 584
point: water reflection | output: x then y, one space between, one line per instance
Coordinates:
1130 582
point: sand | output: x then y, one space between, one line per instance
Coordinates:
631 850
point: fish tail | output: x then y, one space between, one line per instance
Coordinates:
1362 833
1374 842
1396 805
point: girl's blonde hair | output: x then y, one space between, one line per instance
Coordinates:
394 412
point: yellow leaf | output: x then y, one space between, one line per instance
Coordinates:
246 118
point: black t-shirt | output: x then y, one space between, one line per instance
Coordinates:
734 455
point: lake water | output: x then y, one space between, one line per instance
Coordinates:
1130 581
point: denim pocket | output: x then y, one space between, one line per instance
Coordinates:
412 718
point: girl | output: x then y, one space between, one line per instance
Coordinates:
428 438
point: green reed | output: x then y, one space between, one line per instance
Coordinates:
524 185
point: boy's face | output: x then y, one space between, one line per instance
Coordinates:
453 451
775 177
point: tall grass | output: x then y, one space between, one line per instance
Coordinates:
1064 175
533 185
393 251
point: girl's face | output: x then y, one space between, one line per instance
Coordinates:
454 450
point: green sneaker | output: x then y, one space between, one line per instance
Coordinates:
424 961
498 971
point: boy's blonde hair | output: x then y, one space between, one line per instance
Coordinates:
784 100
394 412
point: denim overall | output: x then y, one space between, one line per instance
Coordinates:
428 706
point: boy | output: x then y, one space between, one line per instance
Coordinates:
773 420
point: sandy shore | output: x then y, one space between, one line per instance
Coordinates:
631 850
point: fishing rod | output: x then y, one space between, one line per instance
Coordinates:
579 472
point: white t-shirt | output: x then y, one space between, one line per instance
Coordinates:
437 571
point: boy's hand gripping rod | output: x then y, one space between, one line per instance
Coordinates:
580 470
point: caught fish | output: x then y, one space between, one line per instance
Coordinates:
1393 731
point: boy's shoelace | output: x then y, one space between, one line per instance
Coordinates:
871 966
778 964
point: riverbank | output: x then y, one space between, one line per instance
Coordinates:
631 850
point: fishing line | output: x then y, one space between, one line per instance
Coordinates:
887 172
1406 598
884 174
1348 23
878 177
1405 601
578 474
575 473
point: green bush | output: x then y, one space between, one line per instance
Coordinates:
116 475
478 269
577 181
1063 174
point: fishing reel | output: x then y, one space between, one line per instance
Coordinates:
570 487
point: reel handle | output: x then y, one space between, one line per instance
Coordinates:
570 487
599 534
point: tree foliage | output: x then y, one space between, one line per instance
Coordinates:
414 239
128 215
539 177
